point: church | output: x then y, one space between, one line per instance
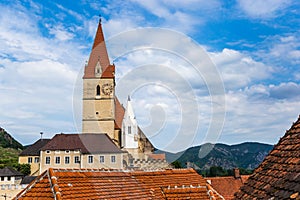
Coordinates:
102 111
110 138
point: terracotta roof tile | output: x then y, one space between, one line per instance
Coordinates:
159 156
278 176
227 186
119 114
112 184
99 53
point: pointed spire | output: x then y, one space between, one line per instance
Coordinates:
99 53
99 34
129 110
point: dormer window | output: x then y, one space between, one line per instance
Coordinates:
98 70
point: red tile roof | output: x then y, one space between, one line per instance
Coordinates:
228 185
112 184
159 156
278 176
86 143
119 114
99 53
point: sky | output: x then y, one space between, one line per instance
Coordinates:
248 88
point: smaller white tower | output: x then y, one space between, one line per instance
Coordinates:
129 128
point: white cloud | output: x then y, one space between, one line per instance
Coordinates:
263 8
61 33
37 75
257 119
288 90
281 50
239 70
70 12
181 15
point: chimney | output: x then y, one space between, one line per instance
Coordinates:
236 173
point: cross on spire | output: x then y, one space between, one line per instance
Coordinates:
100 18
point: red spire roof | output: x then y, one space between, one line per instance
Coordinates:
99 54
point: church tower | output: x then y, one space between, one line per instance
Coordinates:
98 114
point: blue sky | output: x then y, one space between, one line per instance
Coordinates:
255 46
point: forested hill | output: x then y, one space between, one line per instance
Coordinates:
7 141
246 155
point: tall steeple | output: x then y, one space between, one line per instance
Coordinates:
99 56
98 114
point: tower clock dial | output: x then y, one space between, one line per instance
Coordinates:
107 89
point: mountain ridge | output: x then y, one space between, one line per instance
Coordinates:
247 155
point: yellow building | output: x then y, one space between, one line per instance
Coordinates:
81 151
31 155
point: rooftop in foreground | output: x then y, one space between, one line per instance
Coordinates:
278 176
114 184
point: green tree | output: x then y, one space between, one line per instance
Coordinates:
23 168
217 171
177 164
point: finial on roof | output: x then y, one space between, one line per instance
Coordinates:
100 18
41 135
128 99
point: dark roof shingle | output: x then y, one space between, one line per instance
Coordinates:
278 176
8 171
34 149
27 179
86 143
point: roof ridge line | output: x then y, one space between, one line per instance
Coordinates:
53 184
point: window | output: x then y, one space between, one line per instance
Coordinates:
101 159
29 159
48 151
76 159
2 178
98 90
76 151
113 159
48 160
57 151
57 160
90 159
67 160
36 159
67 151
8 178
129 129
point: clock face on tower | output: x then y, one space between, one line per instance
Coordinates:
107 89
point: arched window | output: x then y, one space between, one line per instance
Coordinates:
98 90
